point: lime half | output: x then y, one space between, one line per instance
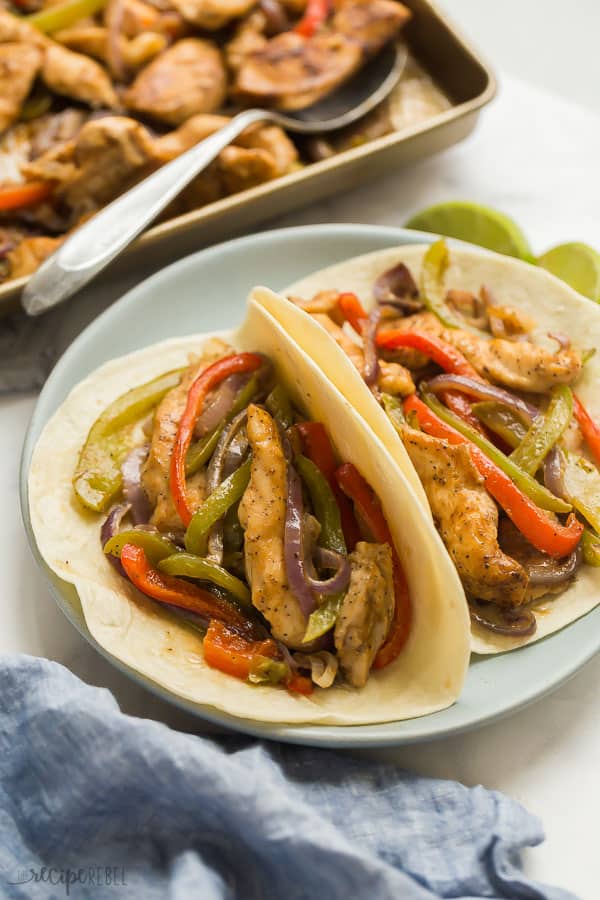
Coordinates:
475 224
578 265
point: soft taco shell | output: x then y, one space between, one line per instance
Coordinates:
553 305
429 673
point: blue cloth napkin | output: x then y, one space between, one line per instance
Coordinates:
94 803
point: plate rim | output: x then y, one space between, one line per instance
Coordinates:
340 736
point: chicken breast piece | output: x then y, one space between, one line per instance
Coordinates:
323 303
366 612
168 146
13 28
519 365
93 40
372 23
77 76
393 377
262 516
31 253
212 14
249 37
187 79
292 71
155 472
19 65
466 518
273 140
241 169
106 158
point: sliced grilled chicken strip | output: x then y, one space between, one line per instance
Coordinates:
366 612
467 519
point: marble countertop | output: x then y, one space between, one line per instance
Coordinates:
536 157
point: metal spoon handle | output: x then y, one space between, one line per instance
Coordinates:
92 247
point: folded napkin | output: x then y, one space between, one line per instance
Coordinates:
94 803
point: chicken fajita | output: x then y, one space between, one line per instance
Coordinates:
478 373
95 95
231 528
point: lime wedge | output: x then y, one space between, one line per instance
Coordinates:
475 224
578 265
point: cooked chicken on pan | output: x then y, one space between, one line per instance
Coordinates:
96 95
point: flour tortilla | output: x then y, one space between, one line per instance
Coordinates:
554 306
429 673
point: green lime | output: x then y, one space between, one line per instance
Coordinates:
475 224
578 265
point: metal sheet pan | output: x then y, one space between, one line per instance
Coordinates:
437 46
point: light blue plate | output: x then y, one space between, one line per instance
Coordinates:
205 292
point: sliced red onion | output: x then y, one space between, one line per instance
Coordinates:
329 559
371 364
133 490
294 544
191 617
396 287
515 623
563 340
553 571
236 452
219 405
214 476
112 526
482 391
553 473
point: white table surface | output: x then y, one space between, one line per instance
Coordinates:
537 158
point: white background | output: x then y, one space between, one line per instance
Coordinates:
537 159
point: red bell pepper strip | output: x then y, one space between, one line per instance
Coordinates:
444 355
354 486
314 16
229 651
589 428
175 591
352 310
317 447
18 196
299 684
205 382
441 352
540 530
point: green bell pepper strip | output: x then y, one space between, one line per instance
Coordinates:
393 407
324 505
501 420
536 492
267 671
187 565
279 405
581 480
331 537
431 286
214 508
200 452
155 546
590 543
62 15
97 479
233 533
545 431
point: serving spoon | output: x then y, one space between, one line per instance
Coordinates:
100 240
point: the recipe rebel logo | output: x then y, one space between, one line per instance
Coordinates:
88 876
